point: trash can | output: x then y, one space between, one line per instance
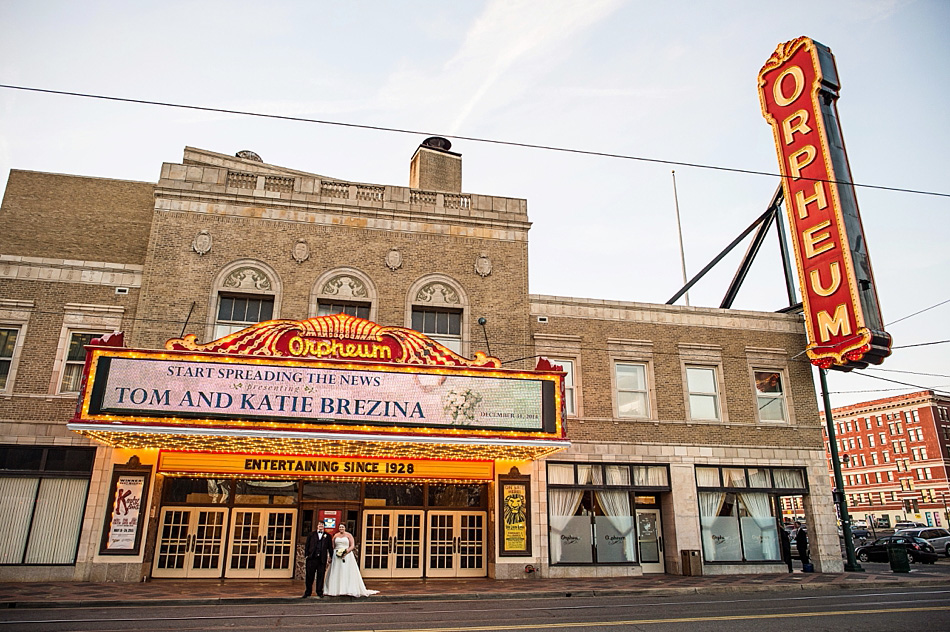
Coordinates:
692 563
897 556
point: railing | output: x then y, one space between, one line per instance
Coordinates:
422 197
238 180
334 189
281 184
369 194
457 201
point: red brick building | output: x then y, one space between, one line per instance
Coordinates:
895 455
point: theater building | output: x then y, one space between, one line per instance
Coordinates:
297 348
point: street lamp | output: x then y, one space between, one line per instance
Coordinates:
851 564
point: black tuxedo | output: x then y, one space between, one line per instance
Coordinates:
317 552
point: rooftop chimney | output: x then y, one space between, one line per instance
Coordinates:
434 168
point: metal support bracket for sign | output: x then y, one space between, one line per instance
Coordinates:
761 225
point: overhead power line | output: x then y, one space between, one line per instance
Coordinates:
474 139
916 386
923 344
876 369
926 309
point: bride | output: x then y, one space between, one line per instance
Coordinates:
344 576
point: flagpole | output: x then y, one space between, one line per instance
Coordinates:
679 229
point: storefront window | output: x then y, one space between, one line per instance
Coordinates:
265 493
319 490
197 491
42 499
394 495
441 495
738 524
592 514
650 476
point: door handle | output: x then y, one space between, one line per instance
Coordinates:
456 545
190 544
660 539
258 543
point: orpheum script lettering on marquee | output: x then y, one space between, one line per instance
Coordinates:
798 90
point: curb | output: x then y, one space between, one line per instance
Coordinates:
543 594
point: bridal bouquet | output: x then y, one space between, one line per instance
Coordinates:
342 555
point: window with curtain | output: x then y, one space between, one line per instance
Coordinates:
8 344
633 396
42 498
738 508
770 396
592 515
75 361
570 403
703 386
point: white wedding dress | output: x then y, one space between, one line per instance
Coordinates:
344 576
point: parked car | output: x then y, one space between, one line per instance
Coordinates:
918 549
857 533
937 537
906 524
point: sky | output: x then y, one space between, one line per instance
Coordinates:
669 82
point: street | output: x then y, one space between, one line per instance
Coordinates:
899 608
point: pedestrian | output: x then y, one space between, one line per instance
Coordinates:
344 577
317 551
786 542
801 543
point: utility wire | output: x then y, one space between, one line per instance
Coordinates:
920 312
875 369
923 344
917 386
473 139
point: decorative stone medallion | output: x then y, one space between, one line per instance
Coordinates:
202 242
483 265
394 259
301 251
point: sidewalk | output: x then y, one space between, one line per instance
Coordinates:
198 591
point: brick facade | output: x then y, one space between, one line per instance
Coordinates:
160 253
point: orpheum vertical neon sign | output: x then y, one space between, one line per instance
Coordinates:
798 88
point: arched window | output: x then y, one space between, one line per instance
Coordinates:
245 293
344 291
438 307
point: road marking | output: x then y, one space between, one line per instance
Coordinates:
590 624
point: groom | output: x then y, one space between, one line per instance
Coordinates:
317 551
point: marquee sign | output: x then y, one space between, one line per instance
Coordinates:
798 89
182 387
288 379
311 466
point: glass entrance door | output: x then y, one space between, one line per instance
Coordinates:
262 543
456 544
650 540
190 542
392 543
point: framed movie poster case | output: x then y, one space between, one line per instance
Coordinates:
126 512
514 501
